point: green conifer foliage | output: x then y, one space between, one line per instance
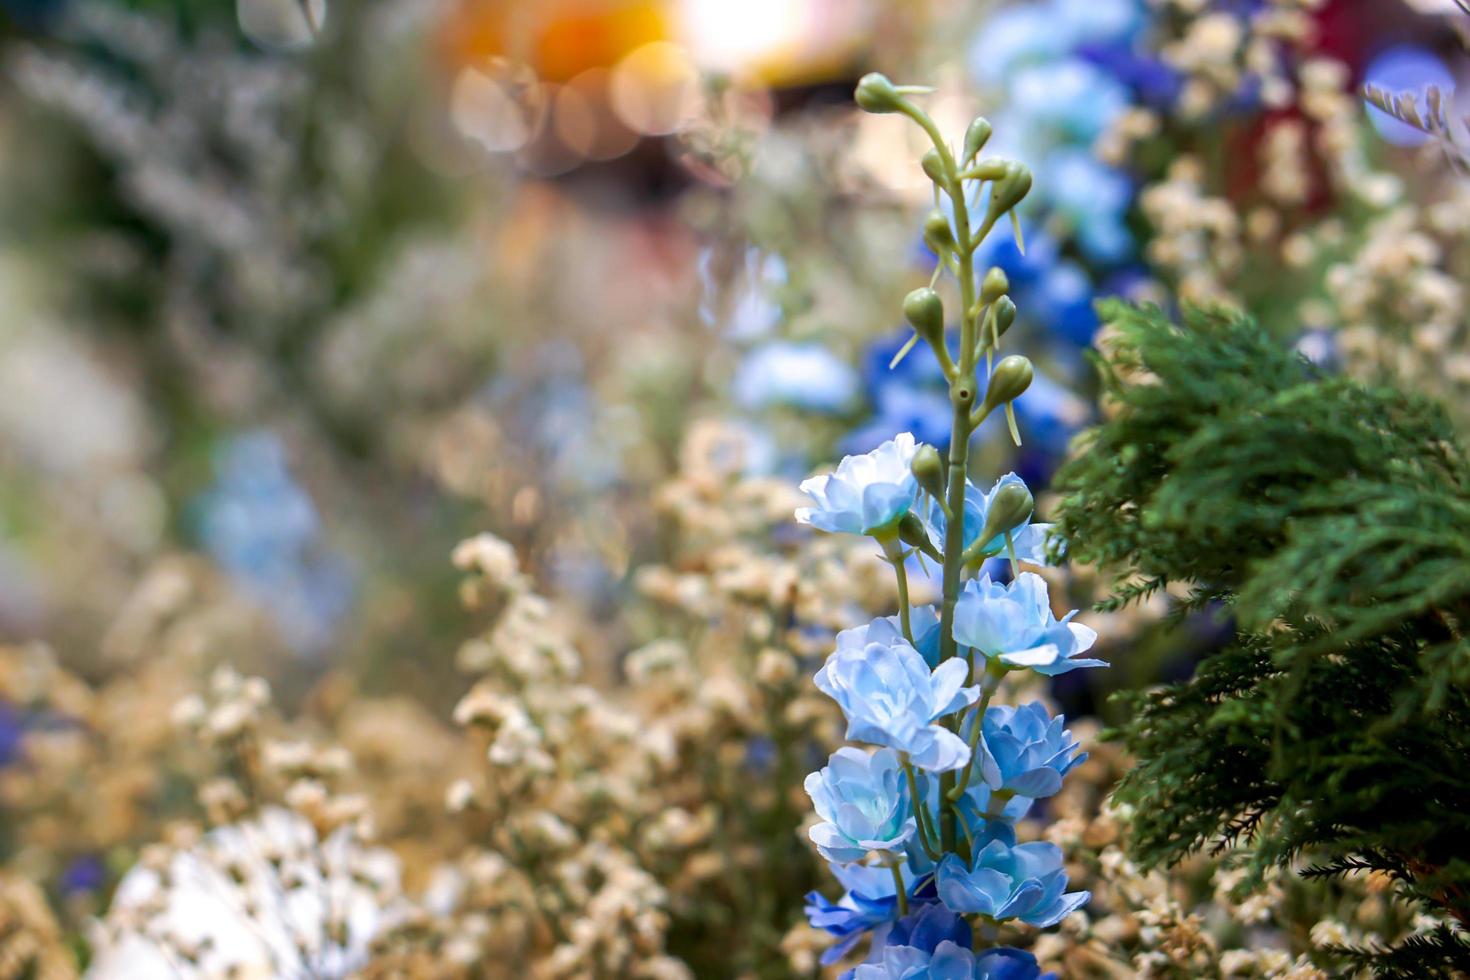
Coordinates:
1331 520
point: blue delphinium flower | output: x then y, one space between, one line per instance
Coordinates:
923 623
1014 623
914 944
869 493
1005 881
1028 539
891 697
1025 751
792 375
863 801
869 904
1008 963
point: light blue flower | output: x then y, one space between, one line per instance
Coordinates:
1015 623
923 623
1024 881
890 697
1025 751
863 801
868 493
1029 539
803 376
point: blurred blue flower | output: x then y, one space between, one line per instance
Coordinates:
867 493
790 375
1014 623
82 876
1050 414
1094 199
1024 881
12 734
1070 100
262 528
891 697
753 310
1024 750
863 801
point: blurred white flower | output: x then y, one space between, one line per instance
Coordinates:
261 898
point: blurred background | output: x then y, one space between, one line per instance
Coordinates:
309 290
297 294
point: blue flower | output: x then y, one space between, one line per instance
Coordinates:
869 902
926 412
890 697
948 961
803 376
923 622
1024 881
868 493
935 943
1015 623
1025 751
1008 963
12 734
1029 539
863 801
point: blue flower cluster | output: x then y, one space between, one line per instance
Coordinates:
262 528
942 745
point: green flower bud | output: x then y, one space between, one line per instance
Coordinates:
933 166
1011 377
976 137
924 311
990 169
1008 191
1005 315
875 93
937 233
1010 508
995 286
912 532
928 467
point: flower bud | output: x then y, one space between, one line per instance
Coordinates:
937 233
976 137
995 285
928 468
1011 377
875 93
912 532
1005 315
924 311
933 166
1008 191
1009 508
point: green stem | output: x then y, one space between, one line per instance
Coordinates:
900 889
962 392
988 687
895 552
921 815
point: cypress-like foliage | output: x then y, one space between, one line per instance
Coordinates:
1332 520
